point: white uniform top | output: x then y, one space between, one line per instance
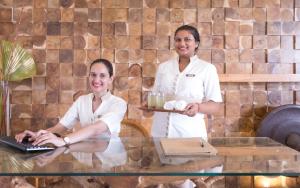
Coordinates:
197 82
111 111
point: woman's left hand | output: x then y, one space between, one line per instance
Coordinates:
46 137
191 109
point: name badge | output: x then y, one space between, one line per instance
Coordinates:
190 75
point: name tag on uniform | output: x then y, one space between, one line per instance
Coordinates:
190 75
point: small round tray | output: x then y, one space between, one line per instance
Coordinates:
160 109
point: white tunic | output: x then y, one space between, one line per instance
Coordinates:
111 111
197 82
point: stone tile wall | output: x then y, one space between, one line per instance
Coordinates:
237 36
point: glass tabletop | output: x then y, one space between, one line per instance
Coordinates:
144 156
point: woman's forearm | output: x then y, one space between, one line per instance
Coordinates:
209 107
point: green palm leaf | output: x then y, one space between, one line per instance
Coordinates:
16 63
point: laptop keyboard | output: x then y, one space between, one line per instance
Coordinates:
24 146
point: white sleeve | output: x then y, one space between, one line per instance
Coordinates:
115 115
212 85
71 116
158 79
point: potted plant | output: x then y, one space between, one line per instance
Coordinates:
16 64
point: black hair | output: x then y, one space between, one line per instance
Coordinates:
192 30
107 64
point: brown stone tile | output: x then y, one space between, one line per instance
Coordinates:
81 4
218 42
162 15
190 4
121 28
39 15
232 97
39 97
273 4
297 14
80 69
122 56
122 41
53 15
93 42
134 112
163 29
163 55
246 55
273 56
67 3
21 111
121 69
205 42
149 69
150 55
135 4
217 3
66 28
245 3
6 28
218 14
53 28
218 56
205 28
52 83
51 111
297 56
52 69
259 42
136 56
24 85
120 83
204 14
135 15
94 14
218 28
148 82
245 42
287 4
39 56
287 42
38 110
231 41
287 28
274 98
66 43
94 28
80 56
41 69
149 15
259 56
67 15
286 56
246 14
273 28
149 42
39 28
52 56
232 28
259 28
79 42
260 97
52 96
272 14
232 14
238 68
66 97
66 56
66 83
190 16
286 14
135 42
81 15
232 110
149 28
273 42
80 84
135 28
121 15
53 42
260 14
297 28
176 15
232 56
80 28
287 97
246 28
260 68
39 42
203 3
21 97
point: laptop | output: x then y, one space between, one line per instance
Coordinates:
23 146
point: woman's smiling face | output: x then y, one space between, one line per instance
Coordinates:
99 78
185 44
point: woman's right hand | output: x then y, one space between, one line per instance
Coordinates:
32 135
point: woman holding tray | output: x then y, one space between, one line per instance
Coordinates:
190 79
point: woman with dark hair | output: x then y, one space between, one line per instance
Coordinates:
190 79
99 112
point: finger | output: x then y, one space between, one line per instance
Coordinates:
41 132
40 139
